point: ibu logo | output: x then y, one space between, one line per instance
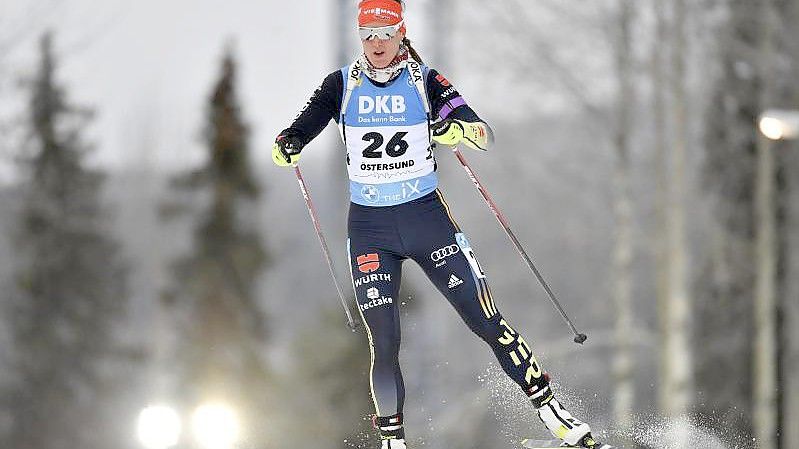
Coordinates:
382 104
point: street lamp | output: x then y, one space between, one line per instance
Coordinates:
774 124
158 427
215 426
779 124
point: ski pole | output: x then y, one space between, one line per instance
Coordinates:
323 242
578 337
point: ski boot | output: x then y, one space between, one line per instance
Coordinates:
392 434
565 427
561 423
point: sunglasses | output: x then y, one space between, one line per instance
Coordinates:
386 32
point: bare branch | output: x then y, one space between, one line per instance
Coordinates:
541 49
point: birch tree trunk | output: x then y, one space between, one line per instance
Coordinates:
728 284
676 385
661 163
622 209
765 349
765 385
790 364
790 326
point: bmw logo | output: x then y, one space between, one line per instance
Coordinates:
370 193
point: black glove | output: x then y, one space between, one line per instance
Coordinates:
286 150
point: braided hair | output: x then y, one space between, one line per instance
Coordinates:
407 42
411 50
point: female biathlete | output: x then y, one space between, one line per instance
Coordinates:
390 109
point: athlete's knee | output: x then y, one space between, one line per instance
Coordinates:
488 329
385 346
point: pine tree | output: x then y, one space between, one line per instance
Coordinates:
70 283
221 326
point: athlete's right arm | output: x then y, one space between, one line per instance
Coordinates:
325 103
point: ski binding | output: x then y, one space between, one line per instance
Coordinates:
545 444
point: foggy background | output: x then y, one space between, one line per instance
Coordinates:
151 253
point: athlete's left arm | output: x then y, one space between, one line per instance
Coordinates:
457 122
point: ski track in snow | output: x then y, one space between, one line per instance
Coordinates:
662 433
517 420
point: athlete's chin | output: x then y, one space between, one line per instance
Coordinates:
379 61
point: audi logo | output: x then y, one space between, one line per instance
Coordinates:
440 254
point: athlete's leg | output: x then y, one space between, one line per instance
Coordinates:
376 268
447 258
376 277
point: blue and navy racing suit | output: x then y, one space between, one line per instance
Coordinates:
397 213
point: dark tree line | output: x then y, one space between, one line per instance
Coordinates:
72 374
221 327
70 283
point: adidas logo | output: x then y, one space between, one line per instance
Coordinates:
454 282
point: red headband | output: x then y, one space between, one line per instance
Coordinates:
387 12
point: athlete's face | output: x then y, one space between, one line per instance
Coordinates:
380 52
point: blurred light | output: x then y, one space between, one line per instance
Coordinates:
779 124
215 426
158 427
772 128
